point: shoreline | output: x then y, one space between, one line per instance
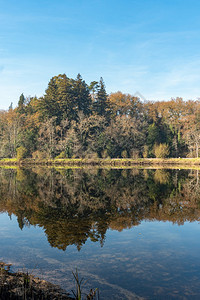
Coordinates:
114 162
20 285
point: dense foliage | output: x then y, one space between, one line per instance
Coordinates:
74 119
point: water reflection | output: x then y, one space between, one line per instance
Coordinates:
76 205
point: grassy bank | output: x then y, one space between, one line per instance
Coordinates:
115 162
25 286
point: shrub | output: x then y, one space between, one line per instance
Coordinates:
39 155
91 155
21 152
135 154
161 150
61 155
124 154
104 154
146 151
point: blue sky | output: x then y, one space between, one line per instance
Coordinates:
150 46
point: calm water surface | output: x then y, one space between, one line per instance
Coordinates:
131 233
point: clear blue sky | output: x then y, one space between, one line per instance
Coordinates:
150 46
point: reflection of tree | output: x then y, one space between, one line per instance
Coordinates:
161 176
73 205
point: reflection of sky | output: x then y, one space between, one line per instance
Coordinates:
151 260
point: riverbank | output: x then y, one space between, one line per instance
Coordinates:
114 162
26 286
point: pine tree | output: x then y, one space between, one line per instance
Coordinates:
101 105
11 106
66 97
21 104
82 95
93 89
49 103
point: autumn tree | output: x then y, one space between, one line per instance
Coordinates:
191 133
10 133
47 139
124 134
125 104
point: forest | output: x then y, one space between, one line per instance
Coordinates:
78 120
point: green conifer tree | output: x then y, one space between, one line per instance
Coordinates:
101 105
21 104
66 97
82 95
49 103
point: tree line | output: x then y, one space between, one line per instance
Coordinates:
78 120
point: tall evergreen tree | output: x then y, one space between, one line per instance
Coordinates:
59 100
93 89
101 105
66 97
82 95
49 103
11 106
21 104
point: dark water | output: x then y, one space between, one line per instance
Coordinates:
131 233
